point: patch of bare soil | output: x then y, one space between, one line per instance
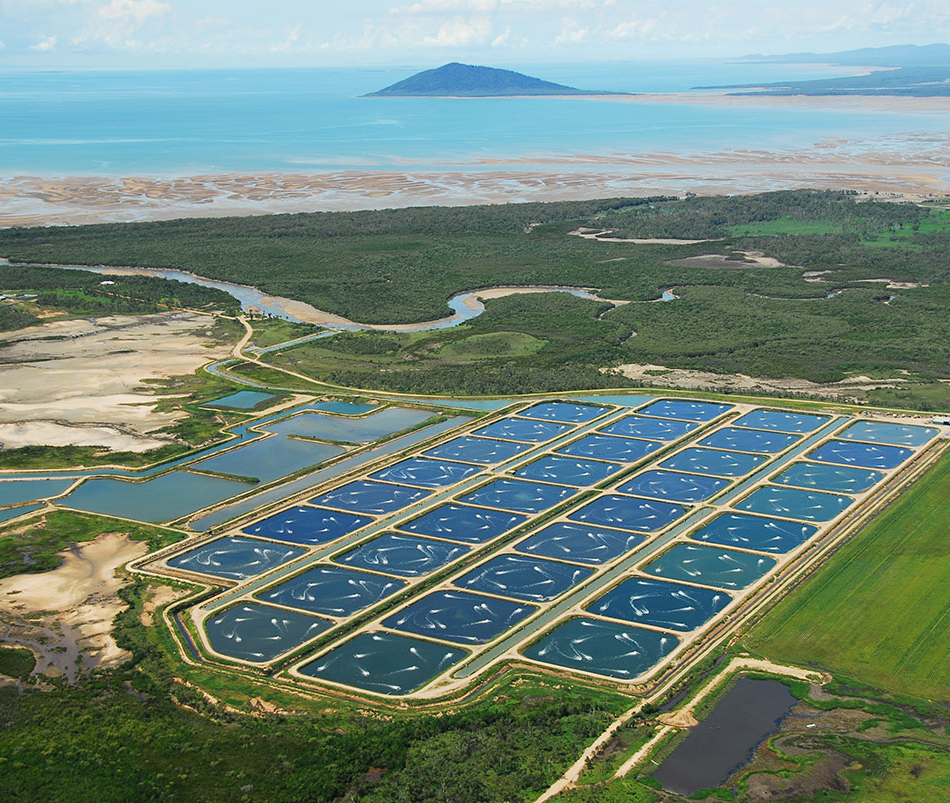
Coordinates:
750 260
79 382
65 616
158 597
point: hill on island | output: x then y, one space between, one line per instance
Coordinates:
467 80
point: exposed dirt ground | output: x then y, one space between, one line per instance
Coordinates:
65 616
79 382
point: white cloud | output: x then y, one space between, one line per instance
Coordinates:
436 6
460 33
133 11
291 42
46 44
502 39
571 33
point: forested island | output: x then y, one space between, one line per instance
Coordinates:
468 80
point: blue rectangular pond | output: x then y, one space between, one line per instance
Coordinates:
403 555
350 430
795 503
721 568
580 542
473 525
384 663
528 579
270 458
673 485
363 496
825 477
782 421
608 447
164 498
628 513
688 410
15 492
519 496
673 606
564 412
259 633
13 512
749 440
714 461
426 472
655 429
865 455
307 525
890 433
569 470
235 557
459 617
332 591
523 429
760 533
483 451
603 648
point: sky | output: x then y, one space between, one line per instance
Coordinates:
117 34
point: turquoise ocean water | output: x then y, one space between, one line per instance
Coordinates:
312 120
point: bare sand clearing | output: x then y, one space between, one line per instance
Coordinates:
65 616
79 382
737 383
601 236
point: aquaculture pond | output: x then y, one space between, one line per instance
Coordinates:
235 557
242 400
865 455
673 485
654 602
426 472
781 421
459 616
569 470
760 533
270 459
519 496
890 433
564 412
163 498
523 429
345 429
688 410
580 542
825 477
15 492
656 429
608 447
603 648
795 503
628 513
259 633
332 591
13 512
464 523
714 461
727 738
749 440
478 450
307 525
403 555
528 579
364 496
384 663
721 568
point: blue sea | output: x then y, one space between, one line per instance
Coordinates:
167 123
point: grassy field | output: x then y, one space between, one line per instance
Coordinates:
879 610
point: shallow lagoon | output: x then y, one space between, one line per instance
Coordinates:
242 400
604 648
384 663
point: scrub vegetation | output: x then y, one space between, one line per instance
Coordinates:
878 610
734 316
